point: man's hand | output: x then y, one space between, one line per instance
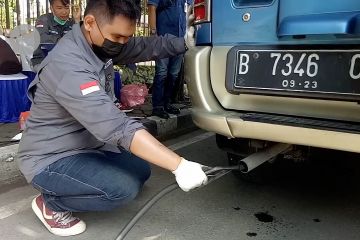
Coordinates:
76 13
189 175
190 30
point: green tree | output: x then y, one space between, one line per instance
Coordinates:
37 8
28 17
18 13
7 14
2 12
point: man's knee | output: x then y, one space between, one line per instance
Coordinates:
161 68
113 203
174 71
122 192
145 173
161 74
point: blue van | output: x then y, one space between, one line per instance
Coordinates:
277 71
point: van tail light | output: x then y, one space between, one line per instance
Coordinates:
202 11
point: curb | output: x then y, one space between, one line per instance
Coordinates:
162 129
165 128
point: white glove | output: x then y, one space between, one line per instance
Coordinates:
189 175
189 37
190 30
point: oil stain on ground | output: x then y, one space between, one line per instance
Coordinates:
251 234
264 217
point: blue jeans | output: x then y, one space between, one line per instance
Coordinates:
166 73
92 181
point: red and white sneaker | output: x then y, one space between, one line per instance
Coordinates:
58 223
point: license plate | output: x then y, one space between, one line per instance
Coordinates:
295 71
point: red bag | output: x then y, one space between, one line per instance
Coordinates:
133 94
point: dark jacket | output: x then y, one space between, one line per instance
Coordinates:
50 32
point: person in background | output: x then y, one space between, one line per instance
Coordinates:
9 63
53 26
166 17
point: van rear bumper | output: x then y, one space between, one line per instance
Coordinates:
234 126
208 114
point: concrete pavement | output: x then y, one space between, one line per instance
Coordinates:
303 201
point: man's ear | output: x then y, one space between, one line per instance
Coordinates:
89 22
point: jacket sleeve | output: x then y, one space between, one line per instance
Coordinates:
140 49
80 93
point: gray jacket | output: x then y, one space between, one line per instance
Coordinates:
73 107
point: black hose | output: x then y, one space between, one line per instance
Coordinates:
144 209
213 174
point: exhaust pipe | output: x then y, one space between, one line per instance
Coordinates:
256 159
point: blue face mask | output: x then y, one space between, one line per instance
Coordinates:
60 21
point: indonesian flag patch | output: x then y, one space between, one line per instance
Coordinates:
39 24
89 87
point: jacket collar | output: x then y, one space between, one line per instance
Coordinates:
85 47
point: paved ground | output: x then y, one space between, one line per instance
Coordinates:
311 200
7 132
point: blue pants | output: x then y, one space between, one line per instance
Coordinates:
92 181
166 73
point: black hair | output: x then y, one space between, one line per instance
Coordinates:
108 9
65 2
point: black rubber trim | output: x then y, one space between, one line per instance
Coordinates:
315 123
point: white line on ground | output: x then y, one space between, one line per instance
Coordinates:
14 208
188 142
